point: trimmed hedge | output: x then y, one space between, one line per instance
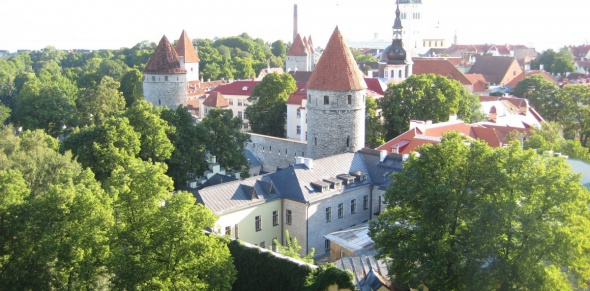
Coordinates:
262 270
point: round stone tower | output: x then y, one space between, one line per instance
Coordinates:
164 78
335 102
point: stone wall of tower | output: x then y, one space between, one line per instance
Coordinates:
299 63
165 90
336 127
274 152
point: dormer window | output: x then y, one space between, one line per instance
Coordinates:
320 186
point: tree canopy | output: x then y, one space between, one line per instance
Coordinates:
426 97
268 112
464 216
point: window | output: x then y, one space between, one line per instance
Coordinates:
365 202
165 78
153 78
298 129
326 100
240 114
236 230
328 214
160 102
315 141
340 210
240 103
258 223
263 244
288 217
298 113
274 245
245 115
246 125
349 99
228 230
348 141
230 101
327 245
353 206
275 218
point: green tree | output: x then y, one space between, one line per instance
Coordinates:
132 86
292 249
152 129
55 218
279 49
268 112
188 139
426 97
550 138
159 242
359 57
97 103
373 124
46 103
4 114
464 216
575 112
225 139
104 147
541 94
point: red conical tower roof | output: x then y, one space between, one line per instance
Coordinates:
164 60
185 48
298 48
336 70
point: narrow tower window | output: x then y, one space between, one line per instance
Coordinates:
348 141
315 141
349 99
326 100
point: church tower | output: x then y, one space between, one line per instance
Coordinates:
189 59
335 102
164 78
393 64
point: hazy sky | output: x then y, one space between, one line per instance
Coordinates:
111 24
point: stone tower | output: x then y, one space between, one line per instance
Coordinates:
164 78
298 56
189 59
393 64
335 102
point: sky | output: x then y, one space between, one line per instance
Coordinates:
113 24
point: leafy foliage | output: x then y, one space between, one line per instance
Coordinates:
292 249
225 139
373 124
268 112
426 97
468 217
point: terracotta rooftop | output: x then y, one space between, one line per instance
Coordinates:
216 100
185 49
299 95
439 67
336 70
198 88
493 68
164 60
298 48
239 88
478 81
374 85
301 76
514 82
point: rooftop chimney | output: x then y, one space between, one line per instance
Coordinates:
382 155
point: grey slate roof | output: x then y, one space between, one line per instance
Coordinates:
361 266
252 159
295 182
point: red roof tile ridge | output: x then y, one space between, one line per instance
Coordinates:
297 48
216 100
336 70
185 48
164 60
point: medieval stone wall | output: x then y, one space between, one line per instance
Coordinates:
335 125
275 152
165 90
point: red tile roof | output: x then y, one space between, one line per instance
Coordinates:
240 88
478 81
514 82
336 70
310 42
216 100
298 48
439 67
185 49
496 69
164 60
299 95
198 88
409 141
374 85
